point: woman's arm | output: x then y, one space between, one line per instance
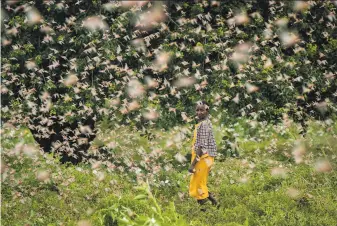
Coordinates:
203 134
195 160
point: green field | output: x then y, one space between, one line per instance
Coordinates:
264 186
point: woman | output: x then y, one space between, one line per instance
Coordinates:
203 153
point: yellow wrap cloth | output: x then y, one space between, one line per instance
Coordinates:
198 184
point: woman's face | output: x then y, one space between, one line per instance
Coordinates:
201 112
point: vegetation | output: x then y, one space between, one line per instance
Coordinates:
98 102
68 65
266 185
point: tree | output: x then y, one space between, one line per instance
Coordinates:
65 66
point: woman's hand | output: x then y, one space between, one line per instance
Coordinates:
199 152
191 169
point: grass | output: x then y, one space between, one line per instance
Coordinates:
147 185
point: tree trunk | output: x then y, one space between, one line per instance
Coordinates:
69 140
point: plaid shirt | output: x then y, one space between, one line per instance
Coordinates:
205 138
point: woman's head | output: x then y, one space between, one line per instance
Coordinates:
201 110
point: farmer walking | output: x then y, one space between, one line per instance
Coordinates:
203 153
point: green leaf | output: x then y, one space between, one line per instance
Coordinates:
140 197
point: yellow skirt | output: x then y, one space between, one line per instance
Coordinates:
198 184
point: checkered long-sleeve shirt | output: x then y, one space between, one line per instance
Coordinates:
205 138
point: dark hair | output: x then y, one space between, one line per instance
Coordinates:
203 103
